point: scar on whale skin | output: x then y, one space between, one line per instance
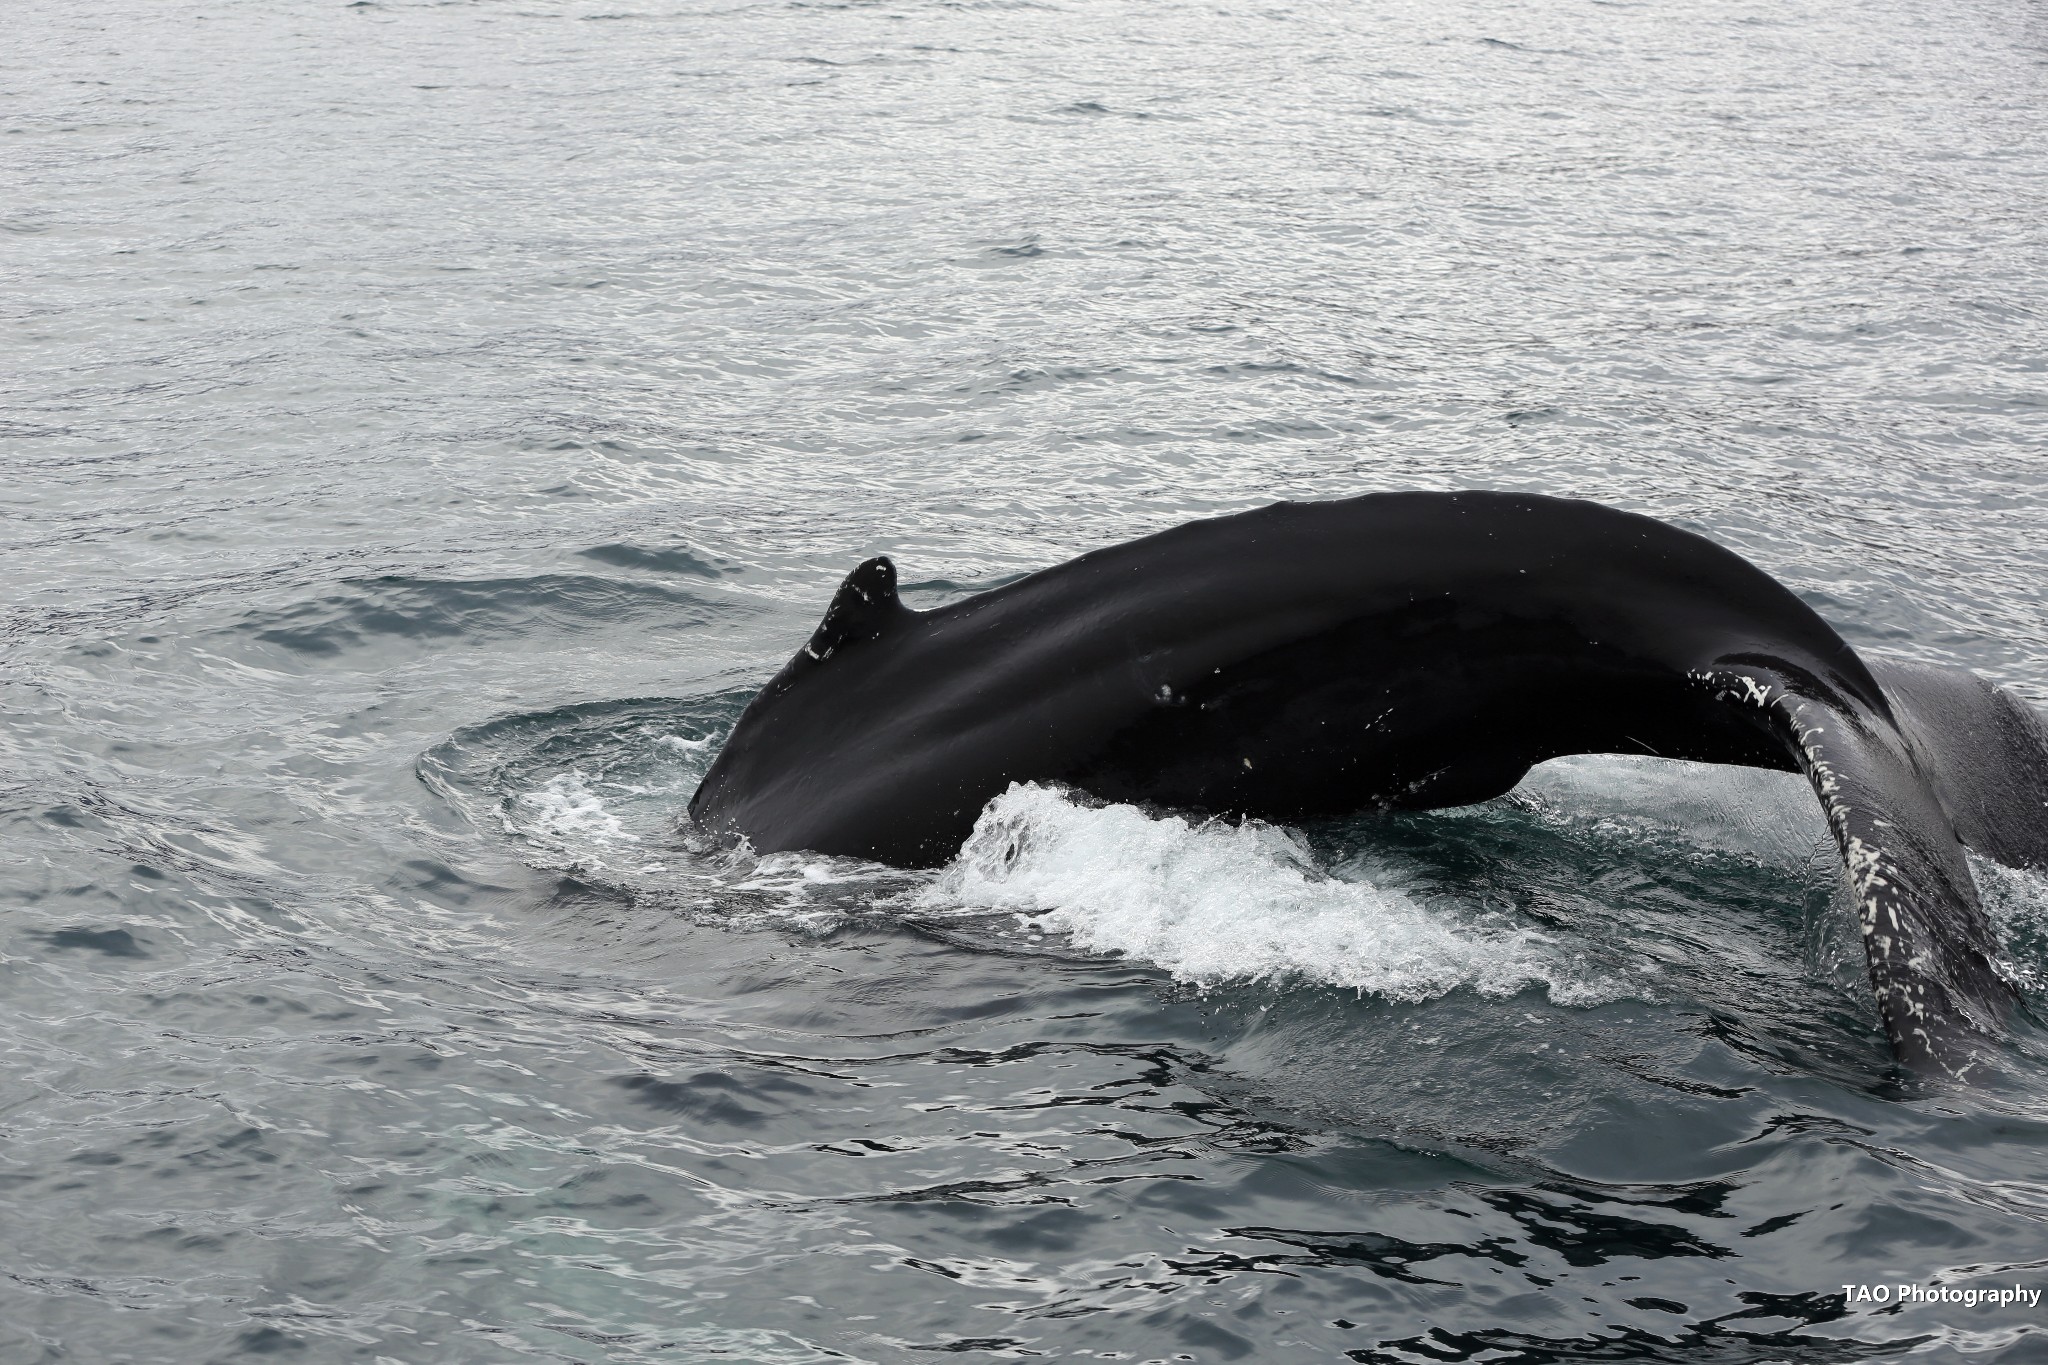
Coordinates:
1403 651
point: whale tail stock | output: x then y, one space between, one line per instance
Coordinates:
1404 651
1901 801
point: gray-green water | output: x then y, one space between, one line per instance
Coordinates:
424 423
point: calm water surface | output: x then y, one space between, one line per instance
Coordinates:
424 424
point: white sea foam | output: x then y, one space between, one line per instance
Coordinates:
2017 901
1213 902
566 810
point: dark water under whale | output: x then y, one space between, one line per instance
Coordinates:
424 424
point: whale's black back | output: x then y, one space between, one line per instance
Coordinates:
1407 650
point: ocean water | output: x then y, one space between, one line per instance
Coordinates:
424 424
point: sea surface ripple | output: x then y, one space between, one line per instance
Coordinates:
425 422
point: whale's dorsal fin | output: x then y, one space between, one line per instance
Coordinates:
1930 946
864 608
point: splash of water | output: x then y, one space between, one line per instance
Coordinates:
1212 902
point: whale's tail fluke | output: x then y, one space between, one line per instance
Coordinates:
1930 947
1985 752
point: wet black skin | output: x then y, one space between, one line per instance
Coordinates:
1399 651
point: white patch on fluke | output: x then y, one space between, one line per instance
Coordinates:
1212 902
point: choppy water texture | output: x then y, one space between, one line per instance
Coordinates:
425 423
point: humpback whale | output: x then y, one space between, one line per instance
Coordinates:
1402 651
